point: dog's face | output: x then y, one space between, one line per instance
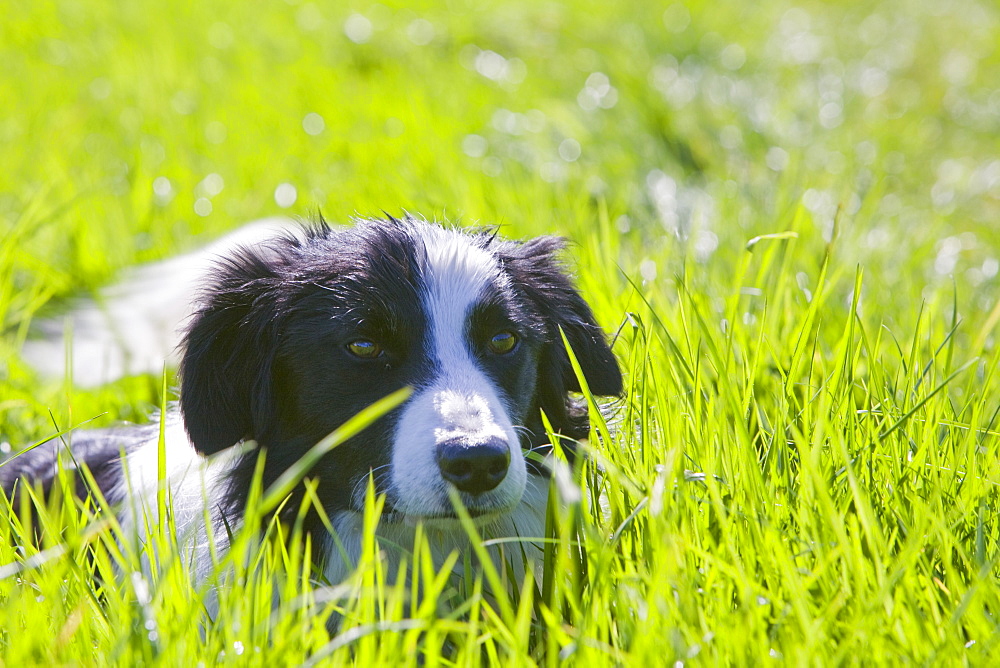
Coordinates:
296 338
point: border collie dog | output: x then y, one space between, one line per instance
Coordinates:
292 337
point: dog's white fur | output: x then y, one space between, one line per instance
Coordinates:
462 400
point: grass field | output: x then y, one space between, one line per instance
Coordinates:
790 215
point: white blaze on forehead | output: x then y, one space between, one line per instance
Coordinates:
460 401
455 275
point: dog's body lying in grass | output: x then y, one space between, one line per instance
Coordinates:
293 336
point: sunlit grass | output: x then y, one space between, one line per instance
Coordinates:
786 215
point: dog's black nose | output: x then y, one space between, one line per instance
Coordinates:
473 468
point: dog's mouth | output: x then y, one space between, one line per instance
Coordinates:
480 514
438 504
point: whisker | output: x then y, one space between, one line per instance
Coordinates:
378 475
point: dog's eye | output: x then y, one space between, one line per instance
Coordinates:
365 349
503 343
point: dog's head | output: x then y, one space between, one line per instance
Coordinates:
294 338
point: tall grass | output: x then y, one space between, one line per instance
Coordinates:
787 217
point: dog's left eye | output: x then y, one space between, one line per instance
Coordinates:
502 343
365 349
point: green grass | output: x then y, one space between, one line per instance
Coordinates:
805 467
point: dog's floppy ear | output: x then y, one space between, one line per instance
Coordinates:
538 271
226 385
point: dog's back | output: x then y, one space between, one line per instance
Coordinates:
99 451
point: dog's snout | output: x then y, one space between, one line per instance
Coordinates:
474 468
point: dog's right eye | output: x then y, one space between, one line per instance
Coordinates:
364 349
502 343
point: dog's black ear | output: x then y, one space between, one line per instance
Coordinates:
536 267
226 384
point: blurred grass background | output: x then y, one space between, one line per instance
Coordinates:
660 138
